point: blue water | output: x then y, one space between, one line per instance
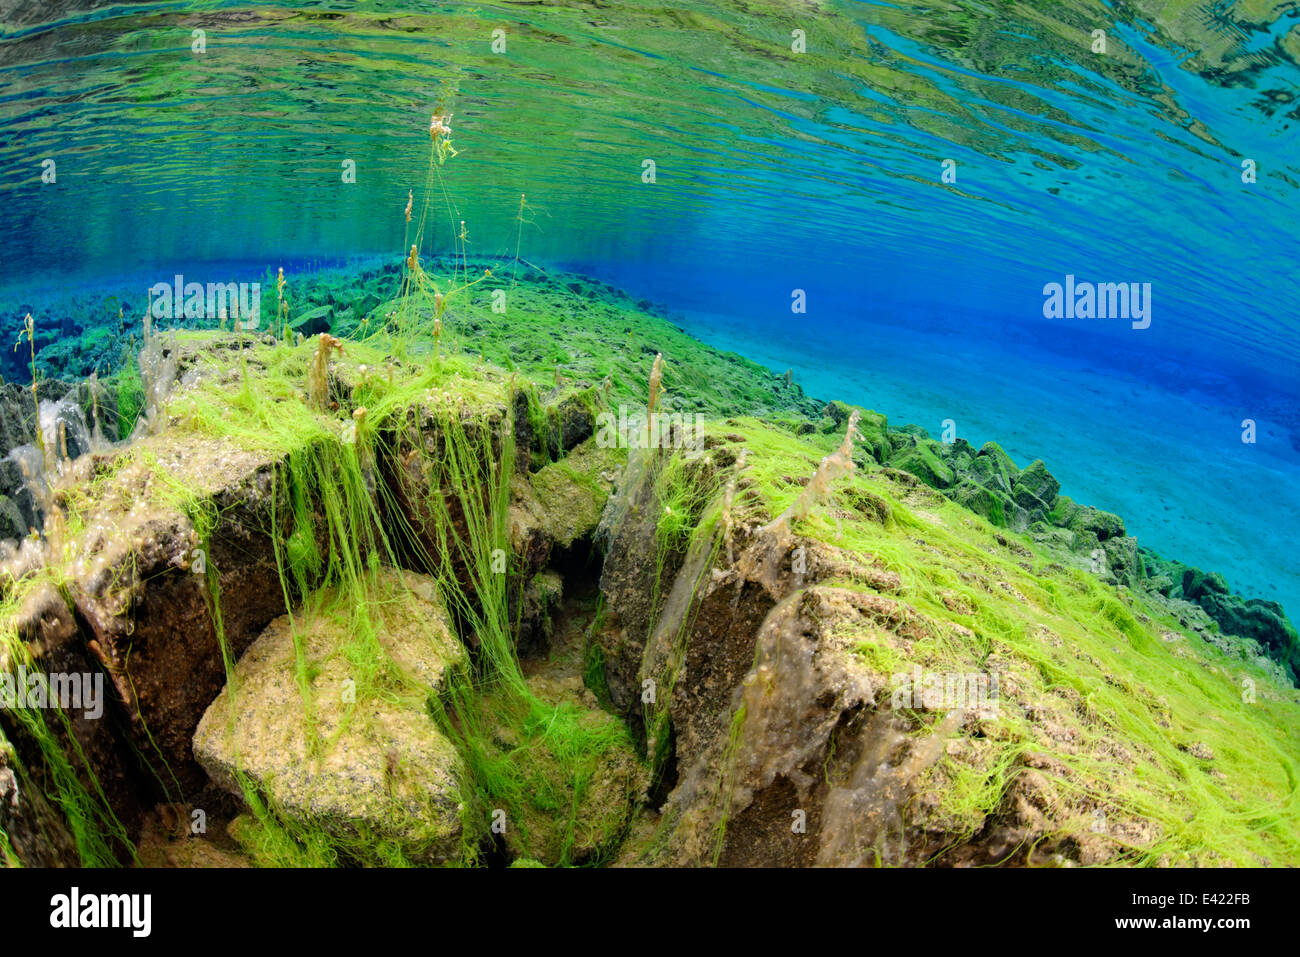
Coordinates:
1131 430
776 171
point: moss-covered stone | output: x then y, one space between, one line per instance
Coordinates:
985 470
313 321
562 502
580 773
990 504
1063 511
1103 525
1003 463
366 768
1035 480
925 461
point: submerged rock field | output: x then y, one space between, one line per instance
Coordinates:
435 592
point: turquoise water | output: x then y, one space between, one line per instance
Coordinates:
775 171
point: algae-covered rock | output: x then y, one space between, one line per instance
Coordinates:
563 501
985 470
960 455
365 305
1122 560
925 461
139 590
1035 480
872 433
1197 584
374 770
45 625
1063 511
314 321
991 504
1256 619
1003 463
34 834
533 607
838 412
1102 524
12 523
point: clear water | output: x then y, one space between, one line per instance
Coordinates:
775 171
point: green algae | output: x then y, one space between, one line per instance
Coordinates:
1004 604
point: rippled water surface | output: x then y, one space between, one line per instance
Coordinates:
775 170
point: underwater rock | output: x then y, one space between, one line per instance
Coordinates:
142 583
17 417
314 321
1122 561
533 608
367 768
99 758
413 466
1034 480
552 512
363 306
924 460
1102 524
547 428
987 471
13 523
575 417
632 565
993 505
1064 511
838 412
1259 620
1197 584
706 622
771 726
36 833
562 503
1002 463
873 429
816 744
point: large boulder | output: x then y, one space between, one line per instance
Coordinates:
366 767
1104 525
313 321
924 459
144 583
1001 463
1037 484
992 504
